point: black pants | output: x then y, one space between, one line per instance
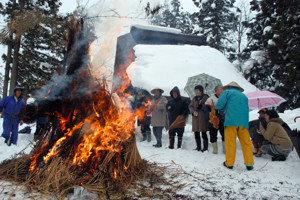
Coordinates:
37 134
213 133
204 135
157 131
172 134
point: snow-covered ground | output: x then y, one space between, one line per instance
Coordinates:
203 173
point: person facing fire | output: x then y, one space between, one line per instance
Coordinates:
176 106
159 114
12 106
144 121
214 128
199 122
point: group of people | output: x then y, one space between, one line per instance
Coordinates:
226 111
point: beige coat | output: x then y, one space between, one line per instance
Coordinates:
159 113
199 123
276 134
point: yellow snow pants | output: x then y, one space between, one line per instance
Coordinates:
231 132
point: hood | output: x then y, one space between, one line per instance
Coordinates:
176 89
18 88
277 120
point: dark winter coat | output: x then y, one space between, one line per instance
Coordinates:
179 106
199 122
146 120
254 126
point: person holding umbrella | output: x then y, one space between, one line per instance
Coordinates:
235 105
159 114
280 144
177 108
199 121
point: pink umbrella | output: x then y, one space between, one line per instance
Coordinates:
264 99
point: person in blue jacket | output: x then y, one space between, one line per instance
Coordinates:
235 105
12 106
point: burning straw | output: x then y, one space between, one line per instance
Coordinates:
89 140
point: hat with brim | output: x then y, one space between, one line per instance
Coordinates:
159 89
233 84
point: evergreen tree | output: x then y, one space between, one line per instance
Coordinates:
217 21
172 16
275 41
42 45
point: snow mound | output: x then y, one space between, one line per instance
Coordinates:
166 66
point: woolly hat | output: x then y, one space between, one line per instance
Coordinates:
233 84
199 87
272 114
263 110
157 88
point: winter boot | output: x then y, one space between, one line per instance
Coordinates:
179 143
279 158
258 152
171 146
223 147
205 145
255 152
148 133
198 143
144 137
229 167
249 167
215 147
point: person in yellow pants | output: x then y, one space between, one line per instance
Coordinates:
231 132
235 106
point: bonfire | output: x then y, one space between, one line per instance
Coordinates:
89 140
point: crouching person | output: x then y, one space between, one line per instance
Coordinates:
280 144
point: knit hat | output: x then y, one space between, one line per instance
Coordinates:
233 84
263 110
272 114
199 87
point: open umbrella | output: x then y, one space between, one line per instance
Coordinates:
208 82
264 99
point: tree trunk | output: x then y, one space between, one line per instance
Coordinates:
14 70
7 66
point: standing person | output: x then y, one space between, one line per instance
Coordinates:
12 106
176 106
280 144
159 112
213 132
257 138
144 121
40 123
235 105
199 121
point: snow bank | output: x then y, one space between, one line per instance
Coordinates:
167 66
